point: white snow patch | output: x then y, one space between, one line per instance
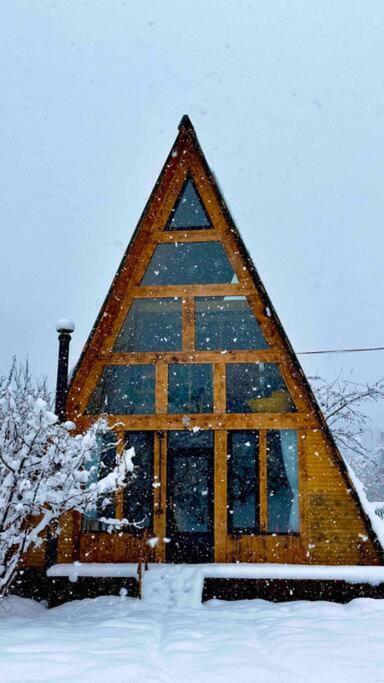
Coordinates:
181 585
370 508
114 639
65 324
94 570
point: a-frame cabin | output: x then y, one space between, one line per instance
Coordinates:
192 366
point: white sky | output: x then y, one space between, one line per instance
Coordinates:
287 100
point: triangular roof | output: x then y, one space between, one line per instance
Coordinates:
187 146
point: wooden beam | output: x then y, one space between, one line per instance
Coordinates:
188 322
161 388
160 492
263 502
219 388
220 496
180 236
206 421
149 357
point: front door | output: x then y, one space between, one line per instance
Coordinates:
190 497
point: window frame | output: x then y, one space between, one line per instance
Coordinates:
159 252
175 207
135 302
262 478
299 484
132 530
242 531
103 528
208 368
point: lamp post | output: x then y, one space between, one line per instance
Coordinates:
65 328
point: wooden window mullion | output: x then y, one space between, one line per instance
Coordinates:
219 388
220 495
161 388
188 320
263 473
160 490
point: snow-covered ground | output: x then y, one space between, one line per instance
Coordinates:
111 640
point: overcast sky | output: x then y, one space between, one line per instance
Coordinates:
287 99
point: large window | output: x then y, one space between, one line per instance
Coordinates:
243 482
189 212
194 263
124 390
102 462
138 496
189 488
226 322
283 481
151 325
190 388
257 388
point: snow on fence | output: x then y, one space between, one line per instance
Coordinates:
93 570
181 585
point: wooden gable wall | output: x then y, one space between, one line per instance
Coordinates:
333 528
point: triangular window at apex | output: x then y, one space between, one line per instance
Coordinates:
188 212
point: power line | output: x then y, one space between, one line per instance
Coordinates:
312 353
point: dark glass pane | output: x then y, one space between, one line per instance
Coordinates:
188 212
243 485
188 264
190 388
102 463
257 388
189 455
226 323
151 325
282 481
138 496
124 390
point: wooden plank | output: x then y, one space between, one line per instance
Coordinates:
161 388
219 388
263 480
220 496
190 290
191 356
160 492
65 549
206 421
188 324
303 492
179 236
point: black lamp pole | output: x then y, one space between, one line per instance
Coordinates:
65 329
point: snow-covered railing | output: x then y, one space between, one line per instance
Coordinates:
93 570
373 575
181 585
351 574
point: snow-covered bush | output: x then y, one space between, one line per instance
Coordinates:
44 469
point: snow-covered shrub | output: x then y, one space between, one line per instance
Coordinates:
44 469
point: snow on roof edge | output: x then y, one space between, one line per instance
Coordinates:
368 506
